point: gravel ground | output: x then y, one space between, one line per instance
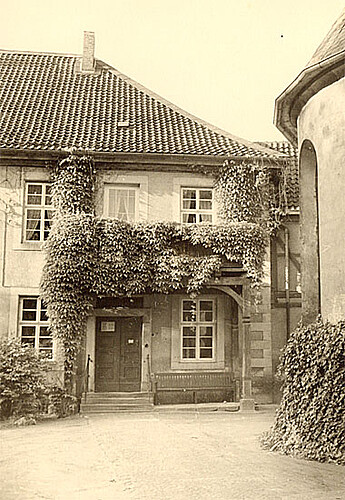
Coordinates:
165 455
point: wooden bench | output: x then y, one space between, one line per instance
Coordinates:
192 382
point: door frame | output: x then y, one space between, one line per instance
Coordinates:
146 336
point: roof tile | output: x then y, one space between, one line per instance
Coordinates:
47 105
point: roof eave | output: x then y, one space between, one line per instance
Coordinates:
40 155
309 82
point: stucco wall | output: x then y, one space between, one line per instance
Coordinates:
322 121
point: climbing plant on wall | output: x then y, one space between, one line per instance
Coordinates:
88 257
251 192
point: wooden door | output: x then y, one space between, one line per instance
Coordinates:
118 354
130 362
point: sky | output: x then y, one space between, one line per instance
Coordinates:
224 61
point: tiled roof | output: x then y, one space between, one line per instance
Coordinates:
332 44
292 181
45 104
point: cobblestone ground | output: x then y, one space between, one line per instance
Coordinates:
157 456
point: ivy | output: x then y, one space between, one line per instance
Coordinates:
251 192
310 421
89 257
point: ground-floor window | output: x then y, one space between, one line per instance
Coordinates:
34 326
198 323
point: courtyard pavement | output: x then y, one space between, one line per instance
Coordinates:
162 455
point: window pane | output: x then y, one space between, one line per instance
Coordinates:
46 342
205 194
188 353
32 214
29 303
205 205
206 342
205 353
44 331
189 194
28 341
29 315
189 331
189 342
43 315
35 189
189 204
28 331
206 331
33 235
205 218
189 218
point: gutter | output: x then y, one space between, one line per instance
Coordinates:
290 101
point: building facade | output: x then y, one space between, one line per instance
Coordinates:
151 158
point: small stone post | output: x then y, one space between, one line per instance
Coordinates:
246 402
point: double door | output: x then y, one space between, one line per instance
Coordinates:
118 355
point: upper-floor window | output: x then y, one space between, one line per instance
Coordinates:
198 320
38 211
197 205
34 326
121 202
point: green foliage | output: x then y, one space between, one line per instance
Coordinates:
310 421
21 385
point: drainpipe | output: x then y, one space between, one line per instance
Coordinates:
287 282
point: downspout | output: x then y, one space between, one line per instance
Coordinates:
287 282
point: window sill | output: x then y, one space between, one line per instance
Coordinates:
29 246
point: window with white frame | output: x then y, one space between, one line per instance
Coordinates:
196 205
34 325
38 211
198 323
121 202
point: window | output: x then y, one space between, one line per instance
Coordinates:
34 327
121 202
38 211
198 329
197 205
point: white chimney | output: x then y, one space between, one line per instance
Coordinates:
88 61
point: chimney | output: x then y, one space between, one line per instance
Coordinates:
88 61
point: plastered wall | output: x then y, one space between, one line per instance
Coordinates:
322 121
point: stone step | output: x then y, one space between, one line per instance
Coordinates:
117 395
113 402
88 407
116 401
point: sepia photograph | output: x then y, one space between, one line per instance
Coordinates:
172 250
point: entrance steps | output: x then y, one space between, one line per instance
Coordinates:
116 402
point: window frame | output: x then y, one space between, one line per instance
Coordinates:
198 324
121 187
42 207
197 211
37 324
